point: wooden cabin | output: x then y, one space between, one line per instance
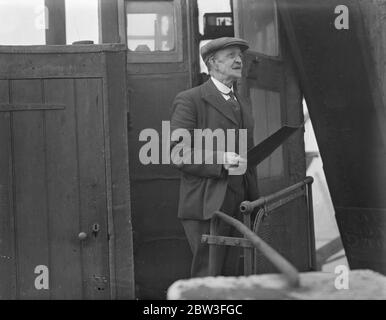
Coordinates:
83 218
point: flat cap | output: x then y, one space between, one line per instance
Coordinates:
220 43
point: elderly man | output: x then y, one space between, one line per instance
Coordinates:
207 187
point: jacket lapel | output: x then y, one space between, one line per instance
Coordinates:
215 99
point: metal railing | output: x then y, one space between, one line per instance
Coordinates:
251 241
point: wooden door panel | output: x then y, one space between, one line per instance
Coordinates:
7 250
30 188
161 251
265 72
92 186
266 112
54 186
63 189
64 169
155 189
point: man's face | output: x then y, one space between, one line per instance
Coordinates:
228 64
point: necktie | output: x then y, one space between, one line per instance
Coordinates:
233 100
231 95
236 183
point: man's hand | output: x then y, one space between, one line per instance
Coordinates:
233 161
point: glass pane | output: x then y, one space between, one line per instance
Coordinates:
82 20
205 6
22 22
260 21
267 118
150 26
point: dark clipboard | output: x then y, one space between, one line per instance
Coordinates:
258 153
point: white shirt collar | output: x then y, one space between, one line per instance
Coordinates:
221 87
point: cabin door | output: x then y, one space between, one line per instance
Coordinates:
158 69
55 176
52 188
270 84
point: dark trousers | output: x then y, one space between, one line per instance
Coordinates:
227 257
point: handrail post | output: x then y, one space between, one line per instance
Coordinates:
311 231
288 271
266 204
247 251
213 248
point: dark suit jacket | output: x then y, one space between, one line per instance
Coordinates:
203 186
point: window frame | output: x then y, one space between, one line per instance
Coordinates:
159 56
239 29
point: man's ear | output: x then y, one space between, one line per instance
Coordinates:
212 61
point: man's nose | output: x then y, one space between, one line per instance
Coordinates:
238 59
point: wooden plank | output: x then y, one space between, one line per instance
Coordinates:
49 65
7 250
150 100
161 250
227 241
294 161
108 22
93 206
311 230
30 189
292 114
152 90
121 234
274 120
265 72
62 49
11 107
122 21
248 254
108 169
259 112
63 192
56 31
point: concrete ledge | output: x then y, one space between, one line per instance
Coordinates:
363 285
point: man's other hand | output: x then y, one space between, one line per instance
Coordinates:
233 160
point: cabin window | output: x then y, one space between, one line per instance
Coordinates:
266 112
82 21
259 26
150 26
23 22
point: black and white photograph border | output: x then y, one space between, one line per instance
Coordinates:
177 150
